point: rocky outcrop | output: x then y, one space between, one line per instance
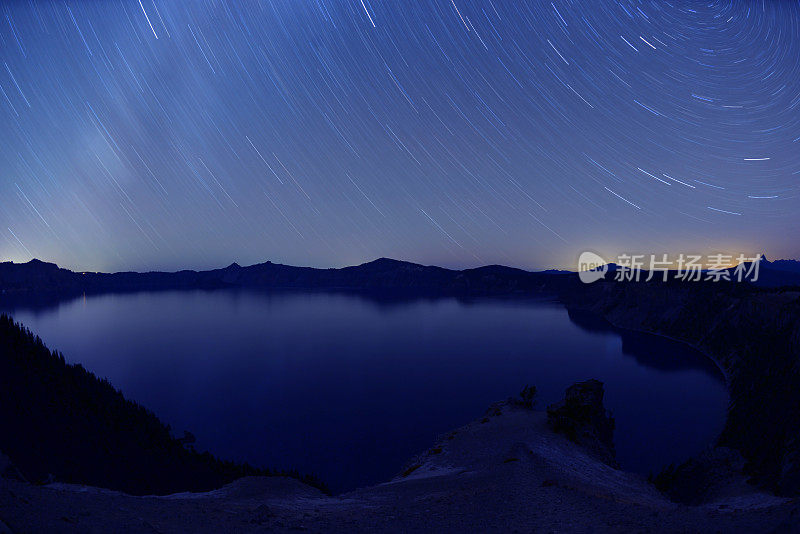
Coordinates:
582 418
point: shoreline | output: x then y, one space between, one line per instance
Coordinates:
633 438
748 335
724 372
508 460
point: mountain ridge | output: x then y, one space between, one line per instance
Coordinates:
379 274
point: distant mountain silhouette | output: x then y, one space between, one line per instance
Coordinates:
383 274
777 273
792 266
380 274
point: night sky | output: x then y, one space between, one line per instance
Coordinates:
189 134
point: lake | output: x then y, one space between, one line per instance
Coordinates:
349 387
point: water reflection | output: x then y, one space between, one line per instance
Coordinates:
665 355
351 385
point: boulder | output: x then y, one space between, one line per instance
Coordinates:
717 473
582 418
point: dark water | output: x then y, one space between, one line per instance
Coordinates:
350 387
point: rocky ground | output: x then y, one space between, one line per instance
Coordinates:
506 471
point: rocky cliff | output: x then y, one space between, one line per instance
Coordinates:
754 336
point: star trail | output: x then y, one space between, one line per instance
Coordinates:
146 134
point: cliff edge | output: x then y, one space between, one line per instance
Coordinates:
507 470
